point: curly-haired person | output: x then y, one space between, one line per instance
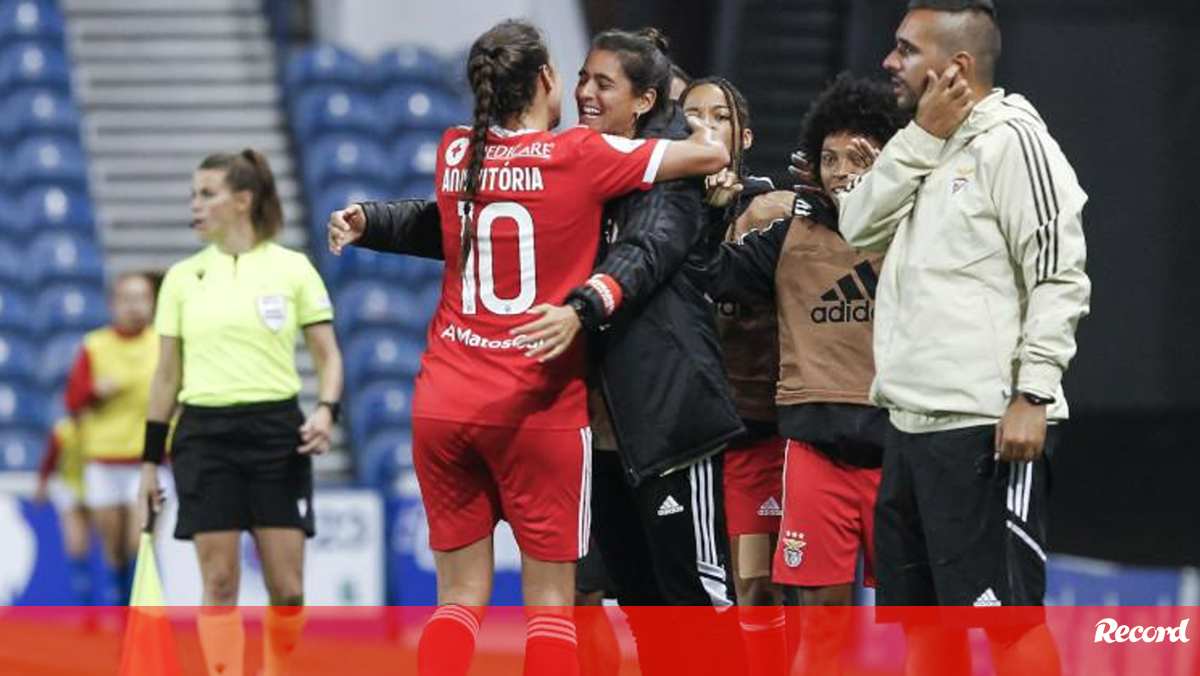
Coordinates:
823 291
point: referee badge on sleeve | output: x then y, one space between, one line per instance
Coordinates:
272 310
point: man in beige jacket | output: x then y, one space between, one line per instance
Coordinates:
980 293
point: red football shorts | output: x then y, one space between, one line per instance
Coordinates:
471 476
828 516
754 486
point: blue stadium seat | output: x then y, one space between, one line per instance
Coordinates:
16 359
45 160
21 451
330 198
56 208
11 273
57 358
409 64
345 157
31 20
384 404
65 256
381 355
15 314
9 223
384 456
325 65
371 304
69 307
21 407
30 65
418 186
418 106
355 263
39 111
335 109
415 154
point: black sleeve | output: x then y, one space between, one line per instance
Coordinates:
744 270
411 227
661 228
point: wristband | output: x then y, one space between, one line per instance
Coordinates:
155 447
335 409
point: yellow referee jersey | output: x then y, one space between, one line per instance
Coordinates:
237 318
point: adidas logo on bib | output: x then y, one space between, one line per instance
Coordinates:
669 507
987 599
770 508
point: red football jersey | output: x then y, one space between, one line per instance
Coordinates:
537 229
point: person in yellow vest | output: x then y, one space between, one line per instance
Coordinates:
107 392
228 318
60 481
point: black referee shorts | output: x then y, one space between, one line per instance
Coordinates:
236 468
954 527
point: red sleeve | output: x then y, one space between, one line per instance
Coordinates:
50 460
615 165
80 392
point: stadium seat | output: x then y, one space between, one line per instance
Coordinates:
30 20
335 109
9 223
42 112
29 65
324 65
381 405
21 451
16 359
69 307
381 355
64 256
15 314
11 274
21 407
46 160
415 154
345 157
57 358
409 64
355 263
328 199
420 187
55 208
419 106
384 455
371 304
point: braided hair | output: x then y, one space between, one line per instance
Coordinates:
502 69
740 118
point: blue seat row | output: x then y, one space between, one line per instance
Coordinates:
49 258
47 207
28 64
45 160
323 65
43 364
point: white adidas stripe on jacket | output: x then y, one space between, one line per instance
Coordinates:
983 284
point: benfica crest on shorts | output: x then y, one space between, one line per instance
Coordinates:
793 548
272 310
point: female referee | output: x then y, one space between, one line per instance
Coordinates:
495 433
227 322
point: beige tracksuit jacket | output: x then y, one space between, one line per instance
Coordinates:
983 283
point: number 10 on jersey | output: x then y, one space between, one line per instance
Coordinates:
485 223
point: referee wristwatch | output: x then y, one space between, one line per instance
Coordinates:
1035 399
335 409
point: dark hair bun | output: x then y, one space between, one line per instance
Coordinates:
656 37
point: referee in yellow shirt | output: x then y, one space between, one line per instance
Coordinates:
227 320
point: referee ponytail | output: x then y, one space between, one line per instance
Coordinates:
502 68
249 170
